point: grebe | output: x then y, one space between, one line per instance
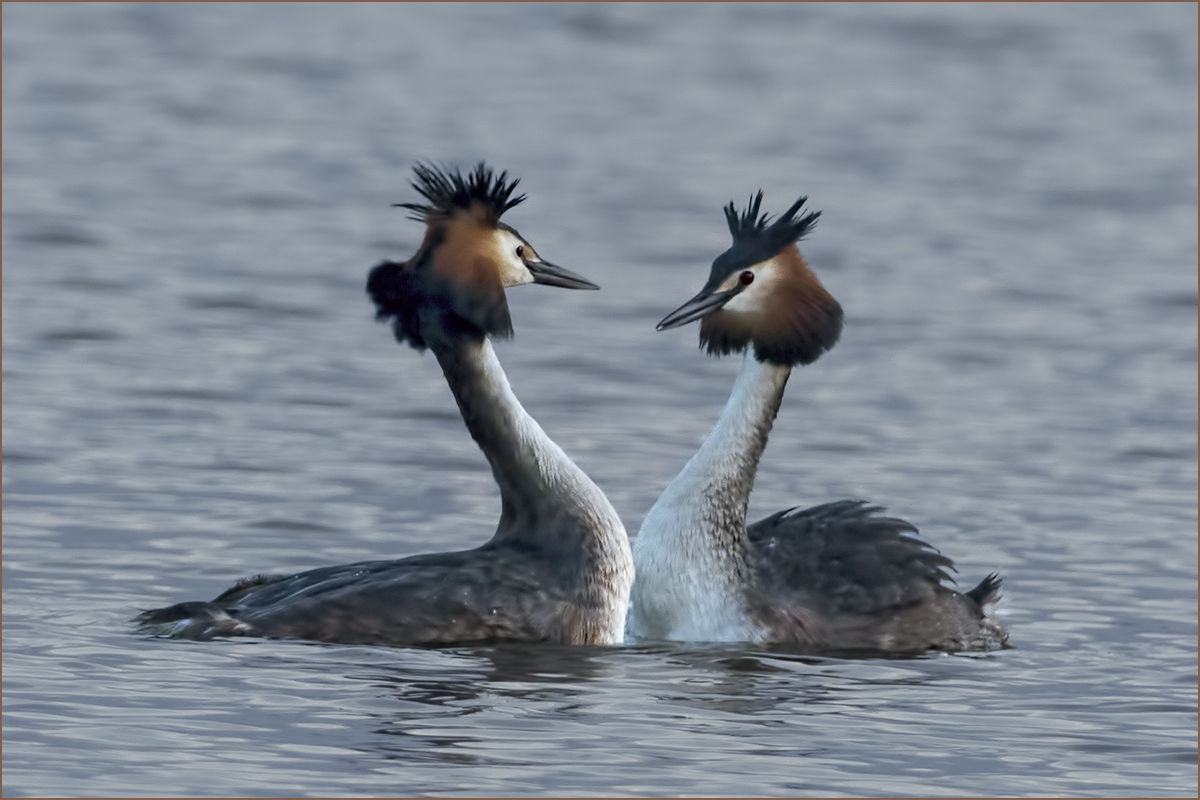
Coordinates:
833 578
558 568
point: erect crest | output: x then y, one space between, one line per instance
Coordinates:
757 238
447 190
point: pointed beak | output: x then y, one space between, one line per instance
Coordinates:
551 275
704 303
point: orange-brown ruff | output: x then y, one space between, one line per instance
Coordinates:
797 317
557 569
835 578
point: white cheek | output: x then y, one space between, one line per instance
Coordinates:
513 271
751 298
744 302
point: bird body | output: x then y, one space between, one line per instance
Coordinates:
557 569
833 578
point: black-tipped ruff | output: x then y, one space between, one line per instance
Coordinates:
395 292
447 190
401 293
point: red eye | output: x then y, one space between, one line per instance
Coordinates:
520 251
746 278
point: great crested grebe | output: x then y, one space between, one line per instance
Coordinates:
558 568
836 577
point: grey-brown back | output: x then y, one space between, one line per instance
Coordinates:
485 594
841 576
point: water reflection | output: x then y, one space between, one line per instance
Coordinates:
508 670
727 679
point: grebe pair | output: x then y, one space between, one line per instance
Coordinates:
559 568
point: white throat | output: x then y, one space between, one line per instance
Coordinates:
692 552
548 501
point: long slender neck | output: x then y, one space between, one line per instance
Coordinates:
692 552
547 500
726 464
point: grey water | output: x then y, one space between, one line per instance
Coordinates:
195 389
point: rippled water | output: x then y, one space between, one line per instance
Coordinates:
195 391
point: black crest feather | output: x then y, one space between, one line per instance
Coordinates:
446 190
756 238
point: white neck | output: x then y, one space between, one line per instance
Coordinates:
692 552
547 501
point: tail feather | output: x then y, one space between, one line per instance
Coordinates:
988 590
